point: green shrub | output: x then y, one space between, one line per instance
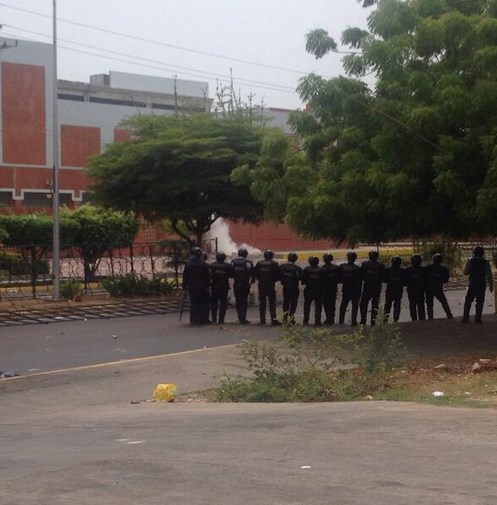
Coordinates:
380 349
17 264
315 365
70 289
130 285
451 252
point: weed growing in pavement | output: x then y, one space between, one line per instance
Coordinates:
315 365
380 349
70 289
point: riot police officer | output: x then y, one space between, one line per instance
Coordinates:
351 277
436 276
373 274
267 273
291 275
395 279
221 272
416 285
480 273
312 280
196 279
330 275
243 277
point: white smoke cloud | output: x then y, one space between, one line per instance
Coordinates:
220 229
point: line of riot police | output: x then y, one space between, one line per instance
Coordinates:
208 287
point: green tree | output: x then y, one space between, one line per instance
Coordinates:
100 231
179 168
32 236
417 155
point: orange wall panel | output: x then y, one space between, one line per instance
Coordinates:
7 179
23 114
278 237
77 143
73 179
121 135
33 178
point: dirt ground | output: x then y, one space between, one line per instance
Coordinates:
442 337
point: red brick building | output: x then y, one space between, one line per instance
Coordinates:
89 116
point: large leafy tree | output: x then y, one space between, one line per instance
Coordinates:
416 155
32 236
100 231
179 168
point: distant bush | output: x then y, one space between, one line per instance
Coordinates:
130 285
17 264
70 289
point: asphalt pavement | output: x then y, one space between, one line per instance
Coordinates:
89 437
27 349
81 430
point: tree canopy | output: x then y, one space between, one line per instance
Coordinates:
99 231
416 155
179 168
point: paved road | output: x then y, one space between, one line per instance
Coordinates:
35 348
201 454
88 436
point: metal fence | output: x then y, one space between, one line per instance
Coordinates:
27 271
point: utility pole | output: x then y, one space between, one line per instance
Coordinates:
176 95
55 196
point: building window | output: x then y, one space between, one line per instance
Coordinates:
74 98
6 199
115 101
37 200
163 106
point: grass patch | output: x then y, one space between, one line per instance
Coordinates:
315 365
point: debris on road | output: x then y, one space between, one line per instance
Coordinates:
165 392
8 375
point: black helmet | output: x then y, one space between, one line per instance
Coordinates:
416 260
351 256
313 261
373 255
396 261
437 258
478 251
327 258
221 257
242 252
268 255
292 257
197 252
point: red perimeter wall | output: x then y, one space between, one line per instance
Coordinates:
278 237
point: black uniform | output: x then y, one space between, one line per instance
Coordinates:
330 278
312 279
436 276
480 274
221 272
196 279
416 285
396 280
291 275
267 273
351 277
243 277
373 274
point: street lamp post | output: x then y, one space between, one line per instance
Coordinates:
55 201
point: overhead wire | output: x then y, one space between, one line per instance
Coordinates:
156 42
260 84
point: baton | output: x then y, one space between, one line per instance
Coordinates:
182 306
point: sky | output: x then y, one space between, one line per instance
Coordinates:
261 42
